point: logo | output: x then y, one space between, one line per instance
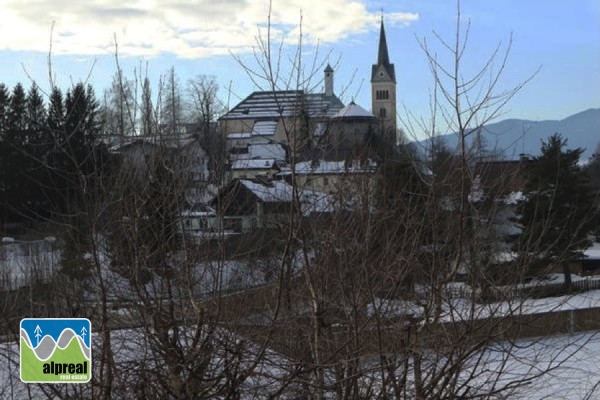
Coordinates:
56 350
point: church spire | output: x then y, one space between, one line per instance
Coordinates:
383 57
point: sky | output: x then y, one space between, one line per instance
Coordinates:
558 41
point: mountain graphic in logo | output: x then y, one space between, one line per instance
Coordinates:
55 350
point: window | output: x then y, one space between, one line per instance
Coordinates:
325 181
382 94
382 113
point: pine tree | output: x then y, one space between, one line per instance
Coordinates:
36 149
593 169
4 108
18 109
14 154
557 214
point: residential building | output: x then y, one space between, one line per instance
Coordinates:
185 154
245 204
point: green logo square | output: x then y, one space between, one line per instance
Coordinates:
56 350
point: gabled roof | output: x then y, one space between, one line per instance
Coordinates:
283 192
274 105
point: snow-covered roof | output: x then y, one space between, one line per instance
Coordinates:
333 167
260 163
286 103
275 192
282 192
266 150
169 141
353 110
239 135
264 128
593 252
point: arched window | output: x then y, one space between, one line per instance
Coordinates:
382 94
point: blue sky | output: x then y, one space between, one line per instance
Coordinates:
558 37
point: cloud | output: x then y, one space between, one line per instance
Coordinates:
185 28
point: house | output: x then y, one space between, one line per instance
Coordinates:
333 176
500 178
255 168
198 220
245 204
184 154
292 118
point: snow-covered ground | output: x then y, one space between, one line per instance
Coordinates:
557 368
22 261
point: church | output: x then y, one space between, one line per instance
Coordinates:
274 125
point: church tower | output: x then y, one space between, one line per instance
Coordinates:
383 86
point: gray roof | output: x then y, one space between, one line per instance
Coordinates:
274 105
353 110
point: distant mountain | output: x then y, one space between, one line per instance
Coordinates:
515 136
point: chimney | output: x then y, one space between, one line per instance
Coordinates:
328 80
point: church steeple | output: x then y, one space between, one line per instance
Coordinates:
383 57
383 86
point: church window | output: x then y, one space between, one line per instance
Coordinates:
382 113
382 95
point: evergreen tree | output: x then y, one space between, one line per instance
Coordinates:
4 149
593 169
35 118
79 166
557 214
18 109
56 113
36 149
4 108
14 155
